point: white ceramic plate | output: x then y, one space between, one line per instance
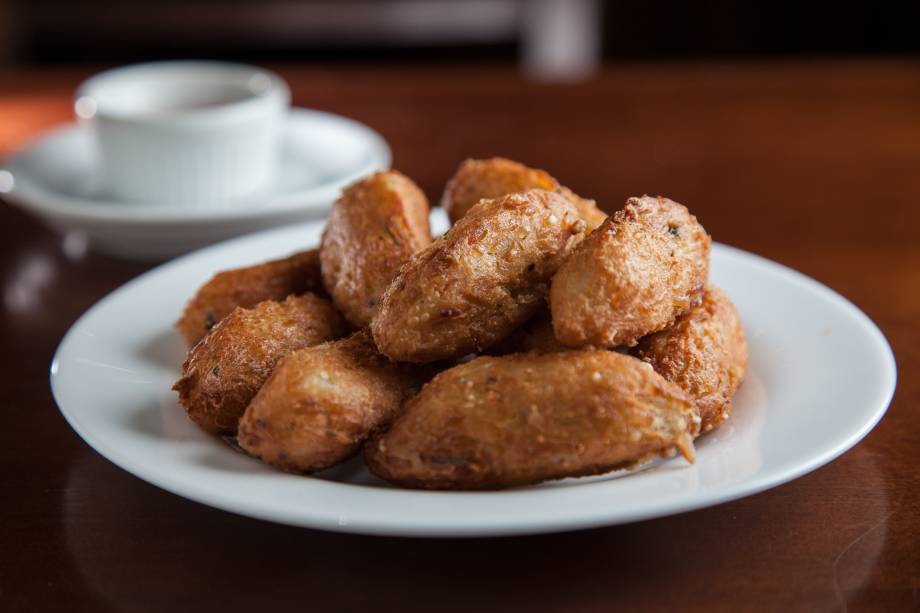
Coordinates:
57 178
821 376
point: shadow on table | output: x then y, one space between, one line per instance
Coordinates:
142 549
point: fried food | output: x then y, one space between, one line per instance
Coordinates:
525 418
374 227
492 178
321 403
496 177
478 282
636 274
587 208
705 353
225 370
535 335
246 287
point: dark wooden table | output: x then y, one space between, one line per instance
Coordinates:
813 164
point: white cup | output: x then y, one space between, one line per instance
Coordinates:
185 133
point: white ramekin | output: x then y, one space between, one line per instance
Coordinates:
185 133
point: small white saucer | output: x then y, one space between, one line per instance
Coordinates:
56 177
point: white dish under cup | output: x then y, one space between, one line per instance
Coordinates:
57 177
190 133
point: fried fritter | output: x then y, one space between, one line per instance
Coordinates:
525 418
225 370
496 177
374 227
321 403
705 353
636 274
587 208
478 282
246 287
535 335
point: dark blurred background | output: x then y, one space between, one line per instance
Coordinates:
548 37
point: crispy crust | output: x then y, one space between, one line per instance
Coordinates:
535 335
525 418
246 287
374 227
705 353
321 403
479 281
587 208
643 268
495 177
225 370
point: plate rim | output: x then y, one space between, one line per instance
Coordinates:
33 197
495 526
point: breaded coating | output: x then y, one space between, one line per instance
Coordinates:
491 178
636 274
225 370
535 335
374 227
524 418
705 353
247 287
496 177
321 403
587 208
478 282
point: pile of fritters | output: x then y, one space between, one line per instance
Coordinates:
536 339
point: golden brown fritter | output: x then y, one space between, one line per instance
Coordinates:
492 178
225 370
496 177
535 335
478 282
705 353
321 403
587 208
526 418
374 227
246 287
636 274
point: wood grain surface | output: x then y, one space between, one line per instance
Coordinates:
815 164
